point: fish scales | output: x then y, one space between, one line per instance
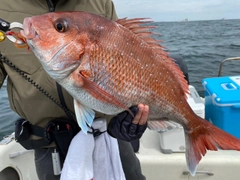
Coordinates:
128 73
126 86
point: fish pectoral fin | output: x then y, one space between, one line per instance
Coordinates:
84 114
102 95
162 125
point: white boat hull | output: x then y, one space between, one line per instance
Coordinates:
16 163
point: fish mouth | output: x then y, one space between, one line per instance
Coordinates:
29 31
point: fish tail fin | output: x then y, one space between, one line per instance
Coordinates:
206 137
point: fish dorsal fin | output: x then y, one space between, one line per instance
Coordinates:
136 25
141 31
179 76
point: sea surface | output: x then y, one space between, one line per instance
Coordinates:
202 44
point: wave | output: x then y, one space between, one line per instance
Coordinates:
235 45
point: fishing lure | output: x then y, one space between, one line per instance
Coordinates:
7 30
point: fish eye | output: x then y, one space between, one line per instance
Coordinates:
60 25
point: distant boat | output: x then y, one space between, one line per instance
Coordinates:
185 20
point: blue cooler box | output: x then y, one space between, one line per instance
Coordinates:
222 103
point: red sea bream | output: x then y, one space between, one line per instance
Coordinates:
109 66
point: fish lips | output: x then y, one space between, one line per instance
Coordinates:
29 31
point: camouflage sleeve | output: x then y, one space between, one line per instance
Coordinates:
110 10
3 74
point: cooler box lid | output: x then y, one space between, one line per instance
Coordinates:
224 90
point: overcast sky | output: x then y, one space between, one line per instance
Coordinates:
177 10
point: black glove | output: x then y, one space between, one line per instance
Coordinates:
121 126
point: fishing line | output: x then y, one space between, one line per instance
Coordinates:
25 76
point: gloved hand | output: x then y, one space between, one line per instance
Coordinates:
121 126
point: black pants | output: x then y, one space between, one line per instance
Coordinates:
130 163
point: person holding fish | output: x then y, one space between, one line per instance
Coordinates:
107 66
45 107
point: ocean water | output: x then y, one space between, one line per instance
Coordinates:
202 44
7 116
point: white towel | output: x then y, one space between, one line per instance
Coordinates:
90 158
